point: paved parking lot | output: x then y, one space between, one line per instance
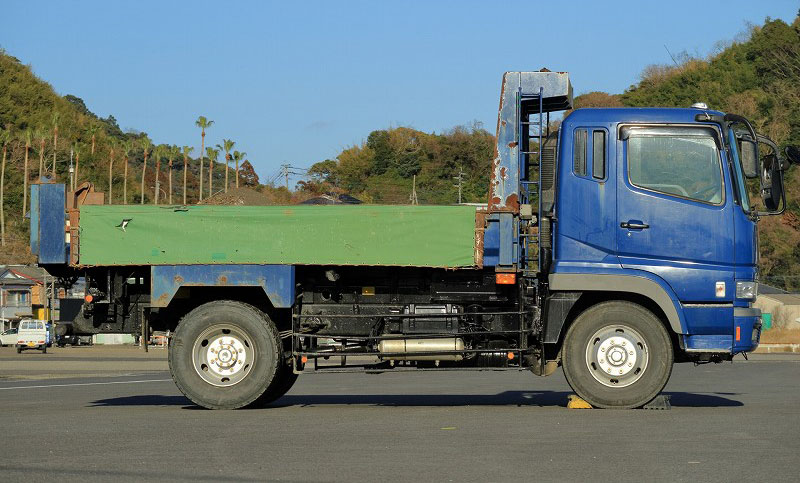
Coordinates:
729 422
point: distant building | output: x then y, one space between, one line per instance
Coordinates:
22 294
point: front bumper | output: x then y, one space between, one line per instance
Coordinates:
744 338
746 329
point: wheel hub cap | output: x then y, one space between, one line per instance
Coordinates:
617 356
223 355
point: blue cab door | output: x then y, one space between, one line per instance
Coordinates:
675 213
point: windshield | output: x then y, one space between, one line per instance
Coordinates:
737 162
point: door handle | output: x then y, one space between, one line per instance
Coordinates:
634 226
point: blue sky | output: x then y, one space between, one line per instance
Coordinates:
298 81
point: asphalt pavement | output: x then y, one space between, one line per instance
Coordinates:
728 422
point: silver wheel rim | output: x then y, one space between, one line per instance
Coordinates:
617 356
223 355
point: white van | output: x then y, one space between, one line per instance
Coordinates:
32 334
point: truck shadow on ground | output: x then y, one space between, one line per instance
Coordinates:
507 398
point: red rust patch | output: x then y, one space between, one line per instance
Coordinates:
513 144
222 280
178 279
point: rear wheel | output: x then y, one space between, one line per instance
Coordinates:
19 349
225 355
617 355
44 349
284 380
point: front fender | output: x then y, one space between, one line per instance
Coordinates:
631 281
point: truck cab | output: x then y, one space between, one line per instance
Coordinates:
654 197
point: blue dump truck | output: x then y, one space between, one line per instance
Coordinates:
614 246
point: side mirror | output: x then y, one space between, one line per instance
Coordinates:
792 154
750 158
771 182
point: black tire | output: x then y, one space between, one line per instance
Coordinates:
259 332
19 349
44 349
594 330
284 380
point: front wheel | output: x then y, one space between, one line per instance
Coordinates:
225 355
617 355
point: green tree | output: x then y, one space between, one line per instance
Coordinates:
213 155
226 146
146 146
92 130
41 135
28 141
158 152
5 137
173 152
203 124
127 149
186 152
55 118
238 156
112 146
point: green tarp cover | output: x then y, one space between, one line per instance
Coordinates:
424 236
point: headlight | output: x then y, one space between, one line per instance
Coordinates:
746 290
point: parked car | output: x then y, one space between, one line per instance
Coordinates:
32 334
71 339
8 337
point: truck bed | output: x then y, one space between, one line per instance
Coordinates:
424 236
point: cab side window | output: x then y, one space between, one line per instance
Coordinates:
589 153
685 166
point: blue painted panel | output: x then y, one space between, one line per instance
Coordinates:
276 280
34 219
714 343
709 320
491 242
52 221
689 244
507 236
586 207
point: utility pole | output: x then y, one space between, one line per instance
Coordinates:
413 198
285 174
71 172
460 179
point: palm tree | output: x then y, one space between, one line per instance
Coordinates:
93 131
41 135
186 152
77 161
127 148
157 153
56 116
213 155
28 140
227 145
111 146
146 145
203 124
4 138
238 156
174 151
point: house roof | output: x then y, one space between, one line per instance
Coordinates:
24 274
